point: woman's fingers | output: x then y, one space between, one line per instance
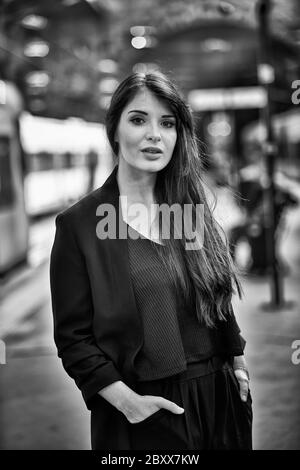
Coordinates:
169 405
243 383
244 389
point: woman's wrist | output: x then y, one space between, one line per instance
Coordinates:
119 395
239 361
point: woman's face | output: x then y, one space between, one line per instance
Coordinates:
146 133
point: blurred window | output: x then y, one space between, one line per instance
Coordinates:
6 180
67 160
42 161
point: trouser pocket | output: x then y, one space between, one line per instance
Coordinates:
163 430
242 411
150 419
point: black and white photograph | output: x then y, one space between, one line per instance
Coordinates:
149 228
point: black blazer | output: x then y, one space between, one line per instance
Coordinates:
97 327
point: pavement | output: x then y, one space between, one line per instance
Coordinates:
41 408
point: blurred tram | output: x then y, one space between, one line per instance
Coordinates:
13 217
45 165
65 158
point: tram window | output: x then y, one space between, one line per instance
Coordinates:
42 161
6 180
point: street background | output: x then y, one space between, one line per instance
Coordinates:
237 64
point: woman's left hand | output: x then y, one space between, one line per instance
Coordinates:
241 372
243 382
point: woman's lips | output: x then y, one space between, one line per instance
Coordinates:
151 153
152 156
152 150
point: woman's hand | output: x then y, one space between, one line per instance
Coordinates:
241 372
243 382
145 405
135 407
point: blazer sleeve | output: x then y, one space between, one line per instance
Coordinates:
232 340
72 309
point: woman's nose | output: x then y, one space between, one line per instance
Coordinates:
154 138
153 134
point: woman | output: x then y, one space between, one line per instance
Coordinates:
143 322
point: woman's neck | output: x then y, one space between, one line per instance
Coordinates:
136 185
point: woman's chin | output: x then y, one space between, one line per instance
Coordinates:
150 166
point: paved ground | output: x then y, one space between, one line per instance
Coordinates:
42 409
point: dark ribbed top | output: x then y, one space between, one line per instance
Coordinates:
173 336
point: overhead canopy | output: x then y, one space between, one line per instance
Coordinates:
216 54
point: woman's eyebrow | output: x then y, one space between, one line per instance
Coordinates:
144 112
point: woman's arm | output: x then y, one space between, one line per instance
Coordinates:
72 309
242 374
231 339
234 344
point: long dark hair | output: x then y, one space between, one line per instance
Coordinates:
207 275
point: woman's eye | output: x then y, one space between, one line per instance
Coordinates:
137 120
168 124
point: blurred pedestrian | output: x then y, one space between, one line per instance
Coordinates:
255 227
143 325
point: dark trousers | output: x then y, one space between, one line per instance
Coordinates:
214 418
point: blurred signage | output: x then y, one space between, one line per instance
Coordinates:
227 98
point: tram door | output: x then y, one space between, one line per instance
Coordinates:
13 218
